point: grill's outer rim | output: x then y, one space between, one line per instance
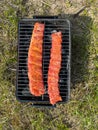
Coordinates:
69 81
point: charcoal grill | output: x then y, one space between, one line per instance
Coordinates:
25 27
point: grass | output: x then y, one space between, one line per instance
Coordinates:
81 113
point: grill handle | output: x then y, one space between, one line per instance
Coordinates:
43 105
45 17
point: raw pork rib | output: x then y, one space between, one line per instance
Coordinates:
54 68
35 76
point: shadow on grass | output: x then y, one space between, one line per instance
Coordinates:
80 37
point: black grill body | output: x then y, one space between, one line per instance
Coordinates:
25 28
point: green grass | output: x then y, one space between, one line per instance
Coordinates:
81 113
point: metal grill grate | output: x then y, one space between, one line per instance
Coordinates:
24 37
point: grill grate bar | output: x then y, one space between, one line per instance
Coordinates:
30 25
44 75
64 42
25 71
22 45
21 51
19 94
46 34
22 86
44 69
29 36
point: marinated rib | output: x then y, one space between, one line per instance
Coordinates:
35 76
54 68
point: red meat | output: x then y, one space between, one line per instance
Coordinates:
35 76
54 68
